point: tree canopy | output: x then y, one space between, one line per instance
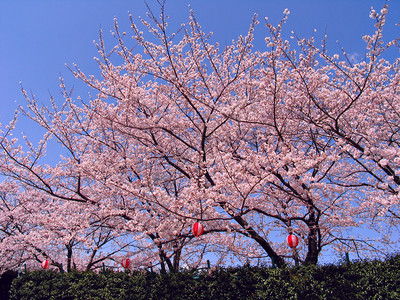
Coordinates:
183 130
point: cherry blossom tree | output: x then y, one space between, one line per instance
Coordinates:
35 228
353 107
250 143
78 213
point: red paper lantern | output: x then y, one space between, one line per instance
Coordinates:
197 229
292 241
125 263
45 264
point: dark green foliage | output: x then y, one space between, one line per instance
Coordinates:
359 280
39 285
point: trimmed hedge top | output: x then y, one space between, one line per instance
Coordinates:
359 280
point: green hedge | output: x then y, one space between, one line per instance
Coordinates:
359 280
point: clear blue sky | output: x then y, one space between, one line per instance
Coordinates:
37 38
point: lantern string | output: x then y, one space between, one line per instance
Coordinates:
201 209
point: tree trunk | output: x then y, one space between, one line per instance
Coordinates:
312 241
177 258
277 260
69 257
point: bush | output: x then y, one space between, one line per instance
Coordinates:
359 280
